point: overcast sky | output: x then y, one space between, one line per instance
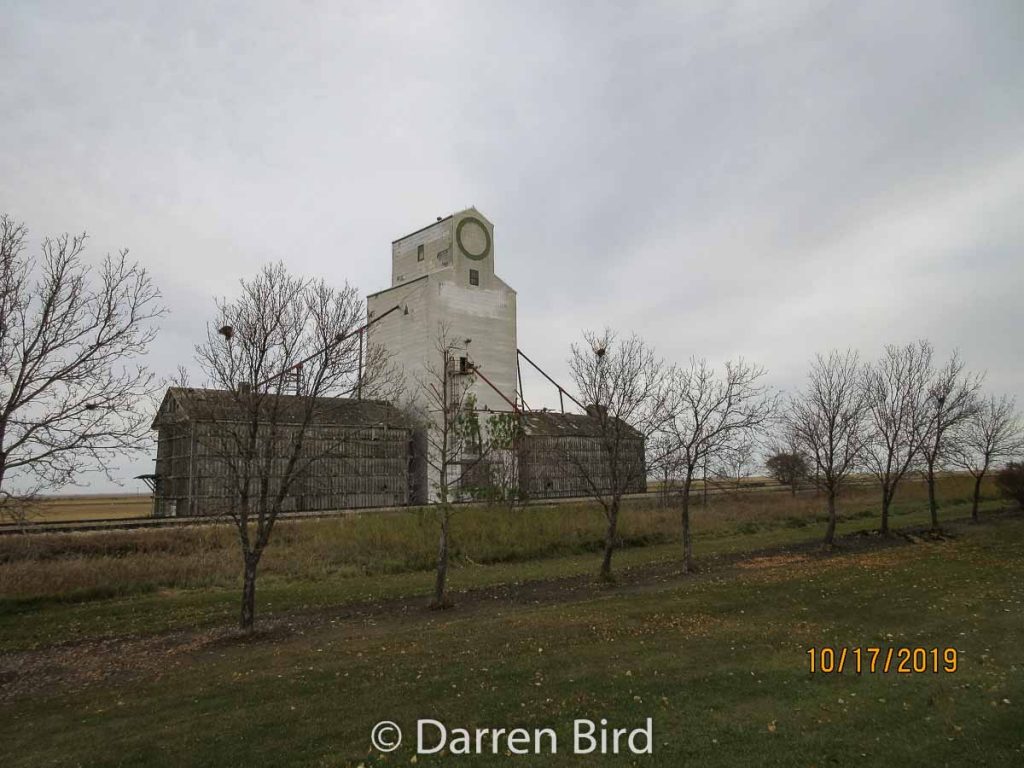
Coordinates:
755 178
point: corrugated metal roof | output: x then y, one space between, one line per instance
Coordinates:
548 423
421 229
205 405
401 285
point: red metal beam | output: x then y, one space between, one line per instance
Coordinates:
476 369
337 340
561 391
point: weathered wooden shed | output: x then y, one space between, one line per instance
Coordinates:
567 454
355 453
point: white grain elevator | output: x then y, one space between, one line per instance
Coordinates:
443 276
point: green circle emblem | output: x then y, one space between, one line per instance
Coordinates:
481 253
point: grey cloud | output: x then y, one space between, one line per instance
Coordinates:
767 179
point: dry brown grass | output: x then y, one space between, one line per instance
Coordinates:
98 564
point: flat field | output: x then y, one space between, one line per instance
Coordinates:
118 648
89 507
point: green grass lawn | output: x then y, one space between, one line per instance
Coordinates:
718 660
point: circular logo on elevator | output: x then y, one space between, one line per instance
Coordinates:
473 238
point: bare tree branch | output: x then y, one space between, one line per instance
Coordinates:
951 400
69 392
626 389
994 433
896 388
712 417
828 422
283 334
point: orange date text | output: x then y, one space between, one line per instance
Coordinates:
901 660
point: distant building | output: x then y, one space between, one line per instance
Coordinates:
359 452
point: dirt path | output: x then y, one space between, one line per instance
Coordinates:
76 665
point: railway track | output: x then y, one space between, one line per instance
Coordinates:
134 523
131 523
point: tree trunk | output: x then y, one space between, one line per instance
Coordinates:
886 498
933 506
704 488
609 542
441 579
248 617
685 519
976 498
830 531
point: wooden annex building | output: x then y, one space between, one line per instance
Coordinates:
356 453
364 453
561 455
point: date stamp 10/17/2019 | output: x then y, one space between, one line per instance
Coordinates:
872 660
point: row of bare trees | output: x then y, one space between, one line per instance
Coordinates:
899 415
689 416
890 418
74 397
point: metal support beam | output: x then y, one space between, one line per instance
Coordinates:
337 340
487 381
519 374
149 480
561 391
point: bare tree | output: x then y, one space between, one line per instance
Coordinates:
662 462
69 386
737 462
828 420
283 334
712 416
447 415
625 388
896 388
992 434
952 399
